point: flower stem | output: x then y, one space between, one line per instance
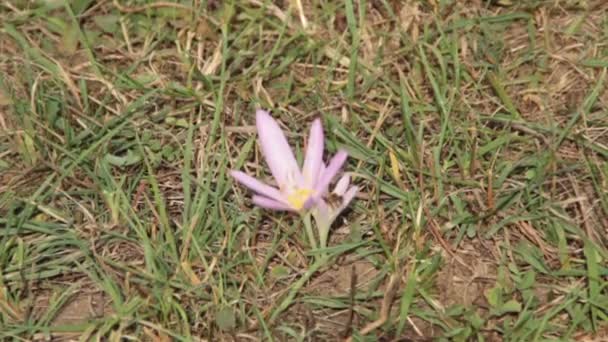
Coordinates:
323 234
309 231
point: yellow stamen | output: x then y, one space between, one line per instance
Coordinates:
298 198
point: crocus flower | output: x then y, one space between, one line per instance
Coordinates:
329 208
298 190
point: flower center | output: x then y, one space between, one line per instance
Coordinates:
298 198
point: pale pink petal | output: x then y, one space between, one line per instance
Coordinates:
276 150
330 172
268 203
348 197
342 185
314 153
257 186
322 169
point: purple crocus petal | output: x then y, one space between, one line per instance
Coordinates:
268 203
342 185
314 153
257 186
310 202
330 172
276 150
322 169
